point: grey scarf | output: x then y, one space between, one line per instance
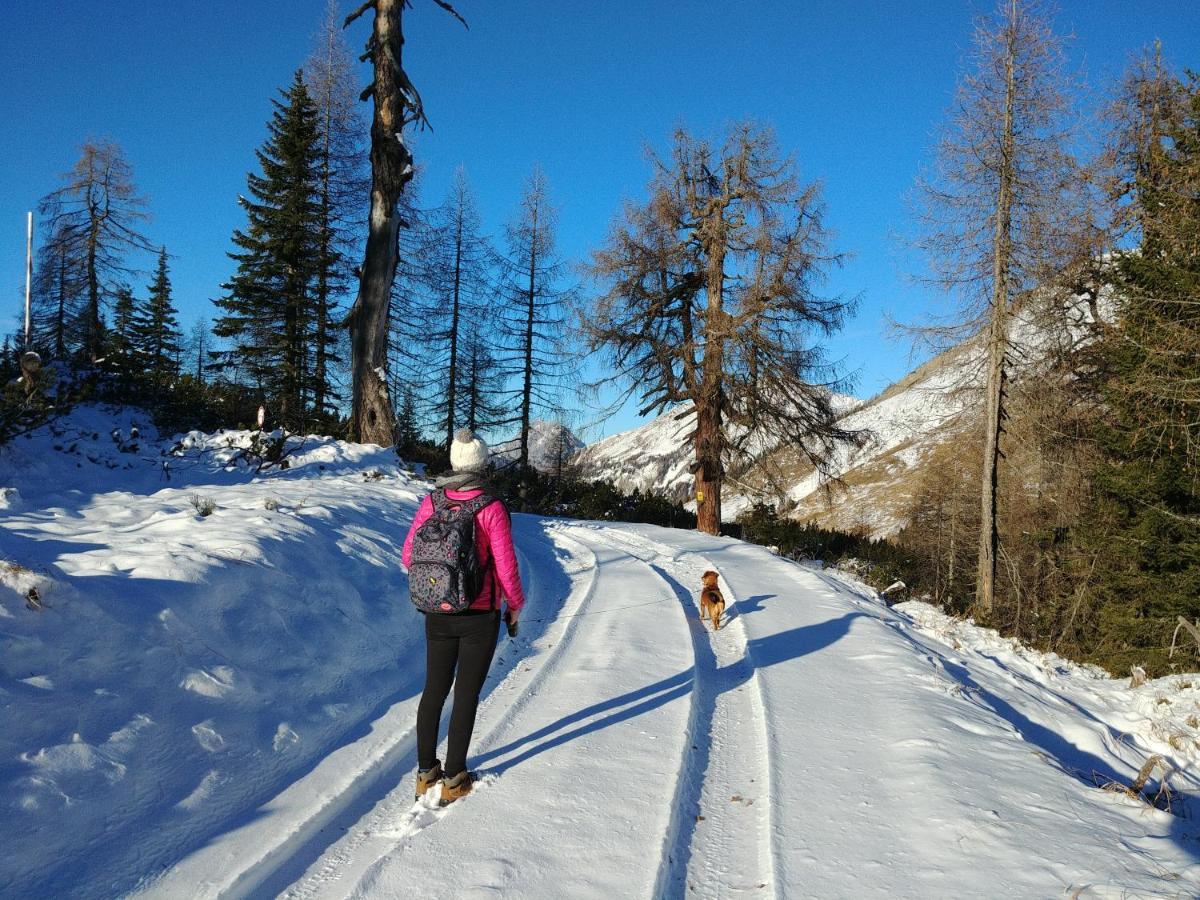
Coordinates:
465 481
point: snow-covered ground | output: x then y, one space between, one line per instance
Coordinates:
223 705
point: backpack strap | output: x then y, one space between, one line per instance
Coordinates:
478 504
475 506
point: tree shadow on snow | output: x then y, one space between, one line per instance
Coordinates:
776 648
746 605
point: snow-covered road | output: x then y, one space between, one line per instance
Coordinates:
223 706
817 746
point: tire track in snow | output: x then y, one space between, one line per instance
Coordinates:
719 840
263 860
395 820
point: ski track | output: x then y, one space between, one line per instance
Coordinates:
230 868
590 697
395 820
717 845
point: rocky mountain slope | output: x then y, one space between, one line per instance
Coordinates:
551 444
904 425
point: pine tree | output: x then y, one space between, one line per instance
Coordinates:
408 432
1146 525
532 311
267 311
124 355
158 334
94 219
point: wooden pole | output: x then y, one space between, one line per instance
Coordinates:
28 272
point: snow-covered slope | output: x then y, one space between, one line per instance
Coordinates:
223 705
656 456
905 422
551 444
928 411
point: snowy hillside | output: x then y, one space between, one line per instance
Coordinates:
927 410
551 444
656 456
223 705
906 421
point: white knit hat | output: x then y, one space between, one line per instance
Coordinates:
467 452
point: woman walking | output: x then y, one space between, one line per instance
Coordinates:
459 644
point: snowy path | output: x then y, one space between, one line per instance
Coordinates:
817 746
585 744
720 835
223 706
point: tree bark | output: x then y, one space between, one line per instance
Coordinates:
710 432
373 418
989 533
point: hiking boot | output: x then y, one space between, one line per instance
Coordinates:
456 787
427 778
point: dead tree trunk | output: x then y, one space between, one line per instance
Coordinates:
989 532
397 104
372 418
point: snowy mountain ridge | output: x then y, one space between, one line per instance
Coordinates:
551 445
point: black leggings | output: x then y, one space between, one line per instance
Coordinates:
466 641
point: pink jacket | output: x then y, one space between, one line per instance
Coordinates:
493 545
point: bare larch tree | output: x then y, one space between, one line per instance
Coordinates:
344 186
532 308
710 298
452 283
94 219
997 213
396 106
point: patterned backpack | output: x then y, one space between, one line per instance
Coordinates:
445 575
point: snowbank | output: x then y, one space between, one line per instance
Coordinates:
177 668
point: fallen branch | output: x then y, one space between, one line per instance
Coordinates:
1192 629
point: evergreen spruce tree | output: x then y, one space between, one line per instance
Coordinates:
408 434
159 337
1146 526
266 312
124 355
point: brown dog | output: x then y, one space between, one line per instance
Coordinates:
711 600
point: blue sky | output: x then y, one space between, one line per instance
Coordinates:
855 90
